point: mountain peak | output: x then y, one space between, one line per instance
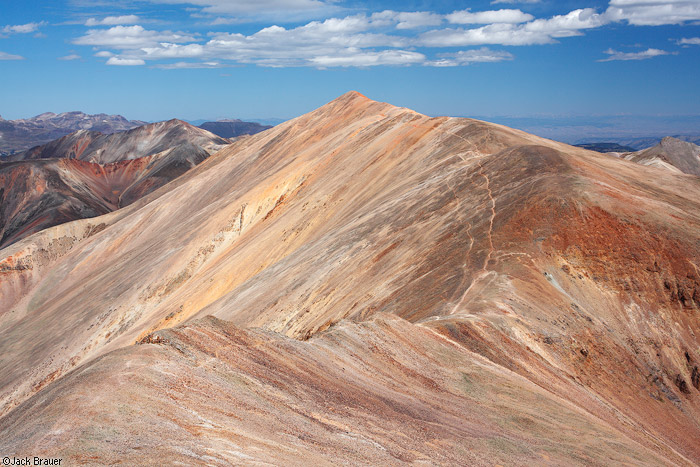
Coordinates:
353 95
672 154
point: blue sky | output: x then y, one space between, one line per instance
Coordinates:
158 59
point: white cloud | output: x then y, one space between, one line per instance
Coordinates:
125 61
333 42
6 56
569 24
406 19
113 20
167 50
224 21
467 57
689 41
653 12
129 37
382 38
22 28
539 31
186 65
70 57
646 54
489 17
365 59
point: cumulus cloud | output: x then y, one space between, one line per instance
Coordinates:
219 21
125 61
644 55
6 56
356 40
129 37
406 19
570 24
335 42
539 31
381 38
689 41
113 20
366 59
488 17
653 12
22 28
70 57
467 57
190 65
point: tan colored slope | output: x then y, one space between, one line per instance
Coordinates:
570 268
383 392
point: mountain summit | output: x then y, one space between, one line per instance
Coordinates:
672 154
365 284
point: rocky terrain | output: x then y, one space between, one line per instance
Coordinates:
233 128
86 174
146 140
671 154
19 135
365 284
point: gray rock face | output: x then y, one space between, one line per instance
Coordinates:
671 153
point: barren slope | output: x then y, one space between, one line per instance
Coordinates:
76 183
671 154
146 140
383 392
572 269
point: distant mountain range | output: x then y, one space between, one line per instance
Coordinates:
18 135
635 144
262 121
605 147
233 128
142 141
86 174
638 132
